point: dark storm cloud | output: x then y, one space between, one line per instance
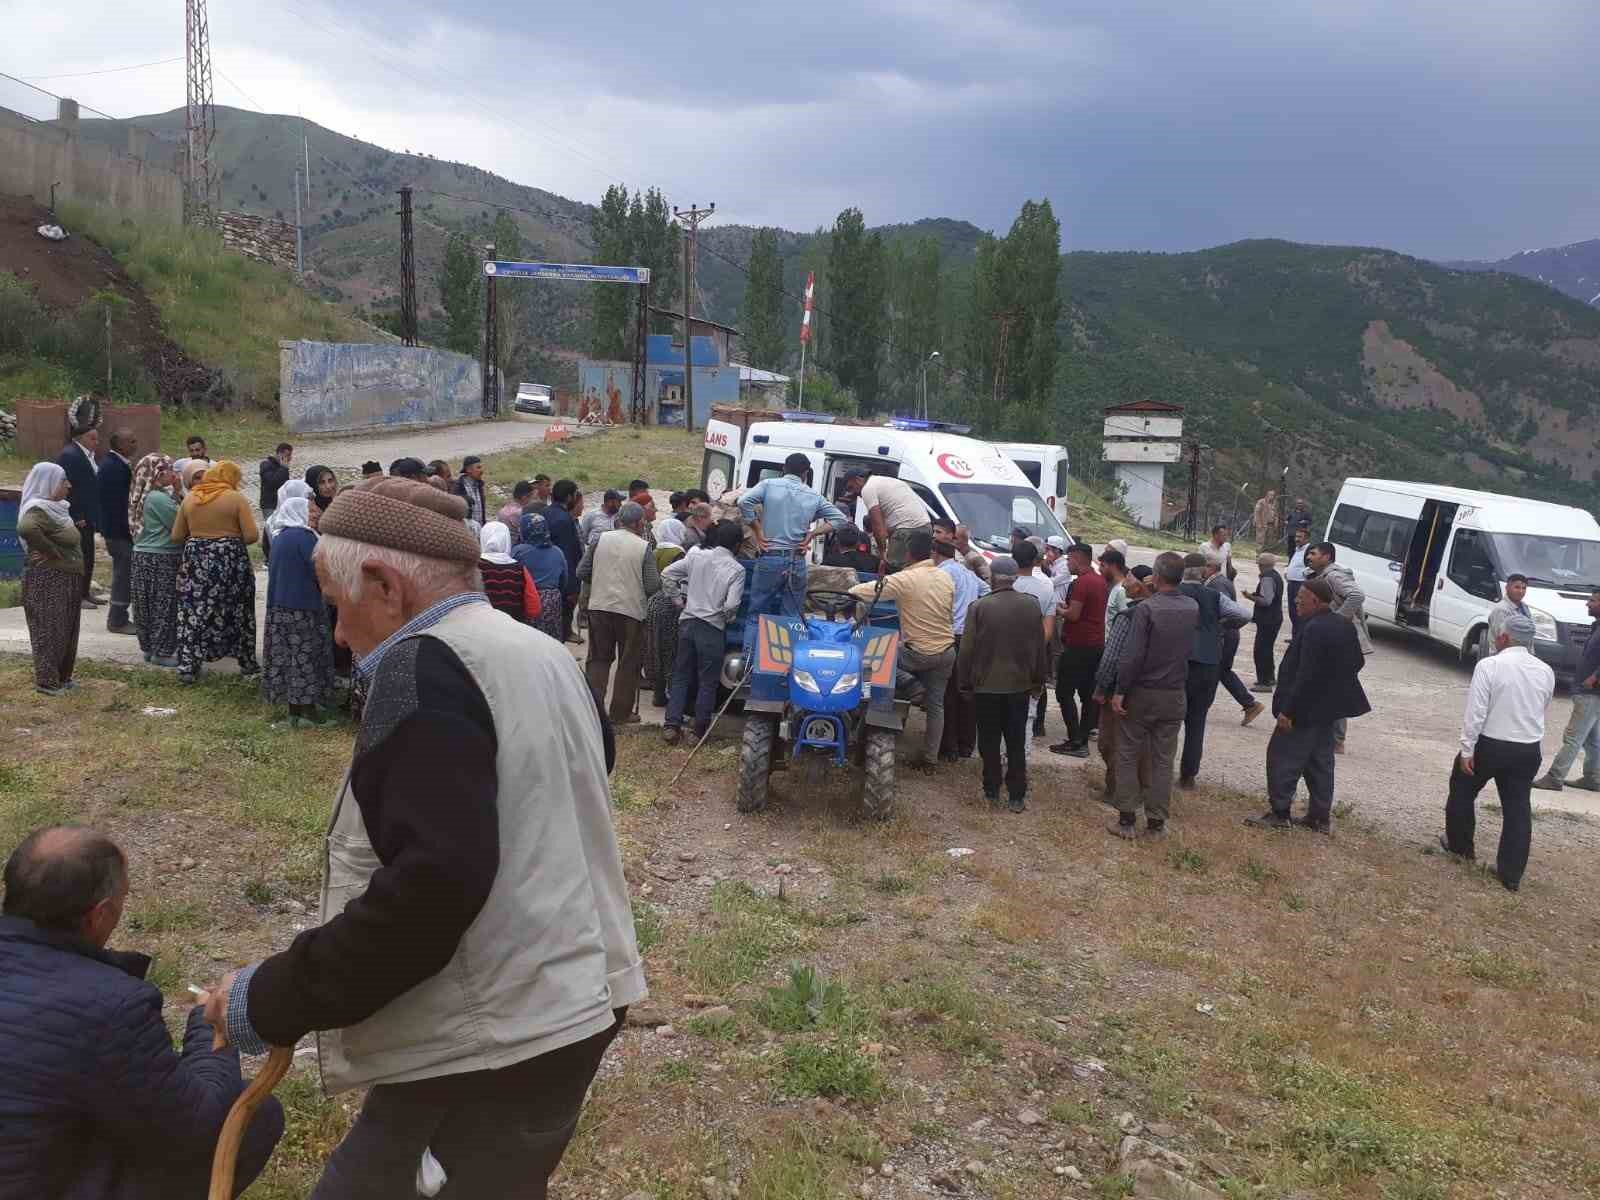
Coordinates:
1440 128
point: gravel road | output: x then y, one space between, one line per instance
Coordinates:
451 442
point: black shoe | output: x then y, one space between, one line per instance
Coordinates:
659 699
1155 829
949 758
1071 749
1306 822
1265 688
993 798
1444 844
1587 783
1504 882
1187 783
672 735
1123 828
1270 819
1016 804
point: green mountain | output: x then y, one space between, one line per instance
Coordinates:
1339 361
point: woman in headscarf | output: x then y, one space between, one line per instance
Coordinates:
216 583
324 485
152 511
505 580
547 566
191 473
297 646
295 489
52 581
660 632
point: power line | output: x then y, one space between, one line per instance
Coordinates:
259 107
107 71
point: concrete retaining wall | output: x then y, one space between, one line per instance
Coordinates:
327 387
33 155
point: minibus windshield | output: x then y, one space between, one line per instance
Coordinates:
1557 562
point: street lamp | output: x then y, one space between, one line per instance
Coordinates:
931 358
1233 516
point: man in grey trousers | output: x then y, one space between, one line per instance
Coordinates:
1150 699
1583 728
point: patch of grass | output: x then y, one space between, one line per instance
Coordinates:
832 1070
313 1126
1294 902
647 925
168 916
1257 871
1501 970
258 892
10 593
1113 1187
948 1013
668 458
715 1028
1071 1112
25 803
1187 858
798 1168
888 884
808 1001
678 1070
751 930
166 975
1414 1187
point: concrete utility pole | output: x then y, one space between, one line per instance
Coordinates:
1194 487
299 239
691 218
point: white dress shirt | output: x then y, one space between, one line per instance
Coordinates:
1295 572
1507 700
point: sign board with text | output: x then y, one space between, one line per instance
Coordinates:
572 272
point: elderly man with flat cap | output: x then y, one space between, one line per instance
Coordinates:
476 949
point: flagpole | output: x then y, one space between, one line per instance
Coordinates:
805 332
803 373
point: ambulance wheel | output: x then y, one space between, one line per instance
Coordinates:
755 761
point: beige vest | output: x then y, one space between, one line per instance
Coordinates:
617 582
553 950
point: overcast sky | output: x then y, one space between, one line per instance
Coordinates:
1444 128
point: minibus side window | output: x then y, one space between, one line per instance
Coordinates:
1470 567
1346 528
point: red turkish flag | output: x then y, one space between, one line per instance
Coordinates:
805 319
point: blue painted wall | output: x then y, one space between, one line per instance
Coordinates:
339 387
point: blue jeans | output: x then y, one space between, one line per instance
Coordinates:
1583 733
777 588
697 665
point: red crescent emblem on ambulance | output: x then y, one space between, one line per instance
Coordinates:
954 464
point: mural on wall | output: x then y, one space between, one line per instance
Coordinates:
327 387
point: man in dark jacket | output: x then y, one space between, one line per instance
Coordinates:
94 1102
469 486
1205 662
79 458
114 478
1001 663
566 505
1317 687
274 474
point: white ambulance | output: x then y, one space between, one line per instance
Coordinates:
960 478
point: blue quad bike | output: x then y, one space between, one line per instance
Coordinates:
822 690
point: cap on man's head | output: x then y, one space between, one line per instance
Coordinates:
402 514
1519 628
371 468
1005 567
1056 541
1141 572
470 460
1320 588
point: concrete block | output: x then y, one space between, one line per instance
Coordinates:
327 387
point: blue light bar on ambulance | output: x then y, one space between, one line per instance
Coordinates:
814 418
910 424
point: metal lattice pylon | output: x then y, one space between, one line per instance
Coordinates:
200 120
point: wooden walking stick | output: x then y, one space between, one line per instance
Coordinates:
226 1161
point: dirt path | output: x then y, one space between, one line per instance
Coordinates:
452 442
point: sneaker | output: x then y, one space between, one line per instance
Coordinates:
1265 688
70 685
1305 822
47 691
1016 805
672 735
127 630
1070 749
1127 831
1549 783
1589 783
89 605
1254 711
1270 819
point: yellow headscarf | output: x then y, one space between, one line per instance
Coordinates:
221 477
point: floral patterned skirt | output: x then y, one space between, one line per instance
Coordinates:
155 602
297 657
549 619
660 641
216 605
